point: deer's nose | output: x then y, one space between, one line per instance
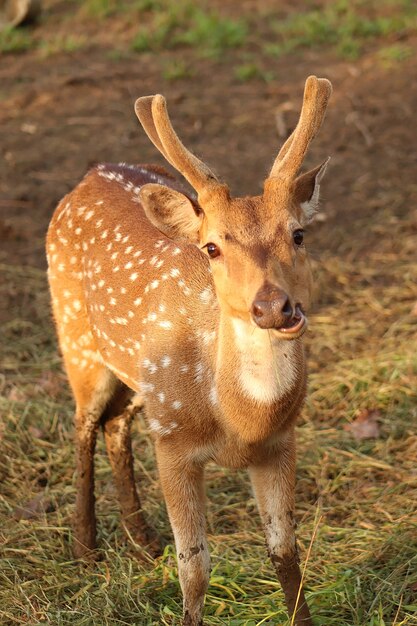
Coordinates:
271 307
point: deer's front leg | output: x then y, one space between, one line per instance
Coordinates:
273 482
182 484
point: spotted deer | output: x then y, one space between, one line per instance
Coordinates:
192 307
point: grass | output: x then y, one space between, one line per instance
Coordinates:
394 54
362 568
344 25
103 9
14 41
177 69
252 70
195 33
61 43
187 24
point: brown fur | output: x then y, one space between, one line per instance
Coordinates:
141 311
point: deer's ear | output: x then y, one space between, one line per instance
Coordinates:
307 191
171 212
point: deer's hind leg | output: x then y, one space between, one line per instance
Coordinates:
117 421
93 388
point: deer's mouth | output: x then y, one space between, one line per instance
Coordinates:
295 326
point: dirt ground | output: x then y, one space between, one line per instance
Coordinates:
60 114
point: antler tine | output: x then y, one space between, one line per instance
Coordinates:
195 171
153 115
317 92
143 109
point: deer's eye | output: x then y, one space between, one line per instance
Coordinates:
212 250
298 237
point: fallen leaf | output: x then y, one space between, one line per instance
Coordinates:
37 433
33 508
414 309
16 395
365 425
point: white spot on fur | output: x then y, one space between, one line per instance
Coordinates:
156 426
213 397
208 337
166 361
148 365
146 387
206 295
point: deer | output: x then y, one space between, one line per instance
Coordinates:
190 306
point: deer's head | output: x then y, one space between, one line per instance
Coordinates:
255 244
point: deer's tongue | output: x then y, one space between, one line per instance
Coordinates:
295 323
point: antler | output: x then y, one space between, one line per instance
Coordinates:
317 92
153 115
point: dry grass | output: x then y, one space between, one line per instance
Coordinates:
362 565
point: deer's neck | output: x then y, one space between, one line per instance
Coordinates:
257 377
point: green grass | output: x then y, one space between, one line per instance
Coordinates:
104 9
205 33
394 54
177 69
252 70
212 34
185 24
344 25
61 44
15 41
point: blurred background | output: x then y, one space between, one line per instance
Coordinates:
233 74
